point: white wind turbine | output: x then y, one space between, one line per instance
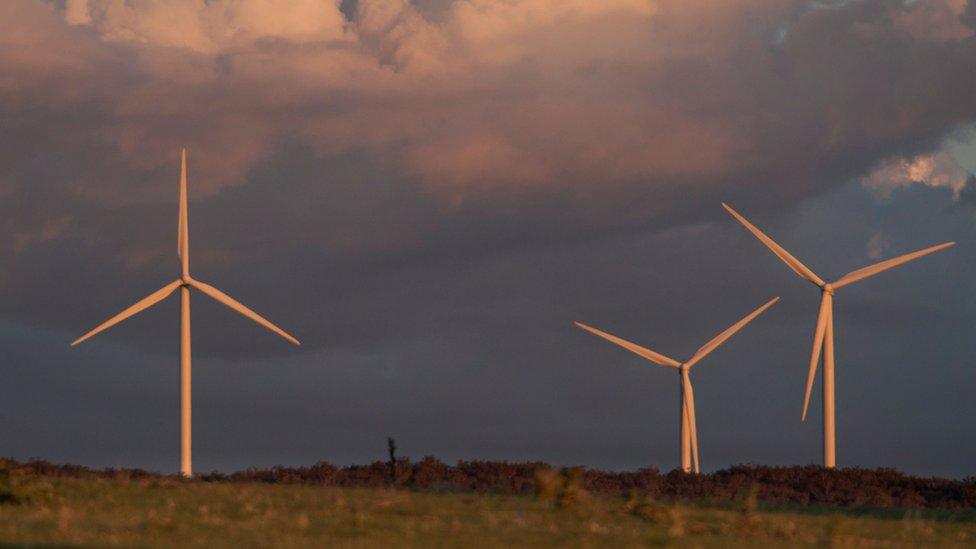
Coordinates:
184 283
689 428
823 338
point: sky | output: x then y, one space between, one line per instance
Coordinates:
429 193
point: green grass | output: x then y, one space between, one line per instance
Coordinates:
167 512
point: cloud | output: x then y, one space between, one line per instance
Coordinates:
935 170
876 246
493 124
497 92
935 21
207 26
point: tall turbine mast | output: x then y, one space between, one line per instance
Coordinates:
184 283
689 427
186 369
823 337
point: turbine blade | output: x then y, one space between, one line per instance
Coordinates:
872 270
139 306
240 308
634 348
690 404
183 230
818 338
707 348
791 262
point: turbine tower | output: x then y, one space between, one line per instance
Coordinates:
184 283
823 338
689 428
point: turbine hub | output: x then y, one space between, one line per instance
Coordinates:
185 280
828 289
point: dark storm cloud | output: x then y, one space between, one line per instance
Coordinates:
428 197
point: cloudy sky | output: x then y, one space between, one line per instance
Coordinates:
428 193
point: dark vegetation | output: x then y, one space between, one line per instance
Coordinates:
794 486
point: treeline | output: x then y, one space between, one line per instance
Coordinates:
805 486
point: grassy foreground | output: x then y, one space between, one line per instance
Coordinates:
168 512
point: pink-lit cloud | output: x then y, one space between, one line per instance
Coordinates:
491 92
935 170
626 112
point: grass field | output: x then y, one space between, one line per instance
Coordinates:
169 512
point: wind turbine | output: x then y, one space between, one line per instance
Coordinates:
823 338
689 428
184 283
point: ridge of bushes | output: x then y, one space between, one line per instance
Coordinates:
808 485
